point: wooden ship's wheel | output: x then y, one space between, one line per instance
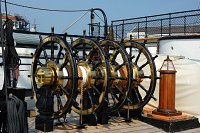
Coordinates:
144 75
55 74
121 74
93 68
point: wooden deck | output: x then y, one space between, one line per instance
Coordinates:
115 125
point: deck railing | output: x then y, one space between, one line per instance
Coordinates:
169 24
177 23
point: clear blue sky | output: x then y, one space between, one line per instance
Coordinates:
114 9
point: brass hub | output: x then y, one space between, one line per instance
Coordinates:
44 76
137 74
122 73
50 74
113 74
87 76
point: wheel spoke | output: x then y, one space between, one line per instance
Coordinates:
115 95
132 57
106 49
59 54
66 77
94 87
91 54
116 87
147 77
143 65
45 54
141 86
155 57
39 62
52 50
59 102
96 90
130 51
98 78
91 98
113 98
121 78
64 90
122 92
75 51
115 55
137 95
96 65
67 93
118 67
138 56
84 52
63 64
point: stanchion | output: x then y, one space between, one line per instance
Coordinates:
81 125
128 119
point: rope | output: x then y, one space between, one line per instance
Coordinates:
44 9
75 22
16 116
99 17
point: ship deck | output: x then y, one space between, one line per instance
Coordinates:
115 125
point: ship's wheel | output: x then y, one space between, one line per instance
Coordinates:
54 69
144 75
121 74
93 73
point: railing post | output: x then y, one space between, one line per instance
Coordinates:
122 30
184 25
89 29
99 32
161 27
146 28
138 30
116 32
169 24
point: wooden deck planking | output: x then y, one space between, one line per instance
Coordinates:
115 125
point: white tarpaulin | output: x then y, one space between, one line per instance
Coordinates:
187 84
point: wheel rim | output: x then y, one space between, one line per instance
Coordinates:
62 70
93 69
121 74
144 75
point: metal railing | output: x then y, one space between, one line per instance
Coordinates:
177 23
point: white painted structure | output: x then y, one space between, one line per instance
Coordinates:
186 46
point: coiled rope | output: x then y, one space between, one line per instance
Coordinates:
16 116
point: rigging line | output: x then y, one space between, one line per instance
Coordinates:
45 9
99 17
75 22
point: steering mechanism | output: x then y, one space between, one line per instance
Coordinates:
91 77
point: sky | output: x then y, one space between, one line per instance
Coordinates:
114 9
